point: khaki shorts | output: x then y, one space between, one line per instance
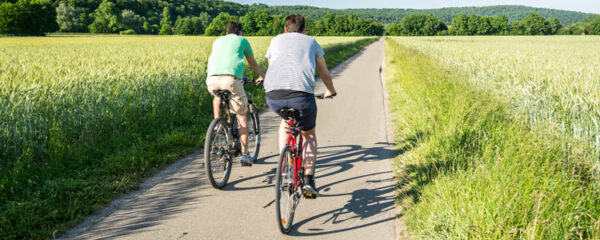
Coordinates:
238 101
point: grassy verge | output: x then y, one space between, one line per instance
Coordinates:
58 194
469 171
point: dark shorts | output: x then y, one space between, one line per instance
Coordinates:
306 105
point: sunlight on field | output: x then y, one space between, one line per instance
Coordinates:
552 81
89 86
83 119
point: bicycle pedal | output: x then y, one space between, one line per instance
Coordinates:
310 196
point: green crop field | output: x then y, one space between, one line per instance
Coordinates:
499 136
84 119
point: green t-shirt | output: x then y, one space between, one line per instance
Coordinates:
227 56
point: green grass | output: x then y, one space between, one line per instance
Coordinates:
46 195
468 170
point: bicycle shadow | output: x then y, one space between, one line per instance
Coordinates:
365 203
331 160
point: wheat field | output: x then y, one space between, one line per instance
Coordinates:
552 83
84 119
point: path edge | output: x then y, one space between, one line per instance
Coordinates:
401 232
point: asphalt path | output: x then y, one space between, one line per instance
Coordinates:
353 176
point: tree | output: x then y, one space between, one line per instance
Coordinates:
107 19
184 26
594 27
67 18
9 15
258 23
132 21
500 24
517 28
554 25
27 17
218 26
394 30
460 24
279 24
535 24
200 23
422 25
166 22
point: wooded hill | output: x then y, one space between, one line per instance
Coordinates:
388 16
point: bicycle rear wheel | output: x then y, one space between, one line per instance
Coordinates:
286 195
253 132
217 159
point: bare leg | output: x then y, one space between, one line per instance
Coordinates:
309 150
216 107
243 126
283 135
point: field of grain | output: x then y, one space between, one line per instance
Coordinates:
490 132
83 119
552 82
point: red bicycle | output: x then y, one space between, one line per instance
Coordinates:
290 171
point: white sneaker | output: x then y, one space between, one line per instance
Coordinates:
246 159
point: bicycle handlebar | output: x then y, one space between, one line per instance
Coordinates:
245 80
322 96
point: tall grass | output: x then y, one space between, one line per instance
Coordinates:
84 119
552 82
470 170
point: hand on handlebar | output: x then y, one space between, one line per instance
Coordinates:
329 94
326 94
259 80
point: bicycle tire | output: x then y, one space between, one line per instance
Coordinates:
254 132
284 188
216 153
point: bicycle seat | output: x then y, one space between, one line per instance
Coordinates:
289 113
222 93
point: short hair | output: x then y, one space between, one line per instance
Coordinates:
234 27
294 23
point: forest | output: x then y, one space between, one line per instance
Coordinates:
208 17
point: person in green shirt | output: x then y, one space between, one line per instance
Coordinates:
225 69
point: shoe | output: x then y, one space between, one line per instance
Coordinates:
246 159
309 189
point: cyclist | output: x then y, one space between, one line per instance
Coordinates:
225 69
289 83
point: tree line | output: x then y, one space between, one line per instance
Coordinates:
209 17
532 24
390 15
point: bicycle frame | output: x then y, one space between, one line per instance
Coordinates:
295 143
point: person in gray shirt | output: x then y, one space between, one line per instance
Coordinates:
290 82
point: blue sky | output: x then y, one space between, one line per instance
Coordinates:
589 6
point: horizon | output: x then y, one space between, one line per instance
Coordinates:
582 6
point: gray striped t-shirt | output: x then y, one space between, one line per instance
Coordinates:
293 62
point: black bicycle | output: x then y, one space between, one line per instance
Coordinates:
222 144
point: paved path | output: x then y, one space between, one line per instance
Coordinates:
353 174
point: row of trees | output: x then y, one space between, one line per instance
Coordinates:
109 19
532 24
590 25
391 15
418 25
35 17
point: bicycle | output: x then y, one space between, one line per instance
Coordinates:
222 143
290 171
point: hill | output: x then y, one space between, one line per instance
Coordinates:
388 16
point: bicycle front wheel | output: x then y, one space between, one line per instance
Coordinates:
253 132
286 195
217 159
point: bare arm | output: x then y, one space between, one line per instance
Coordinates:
255 67
324 73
